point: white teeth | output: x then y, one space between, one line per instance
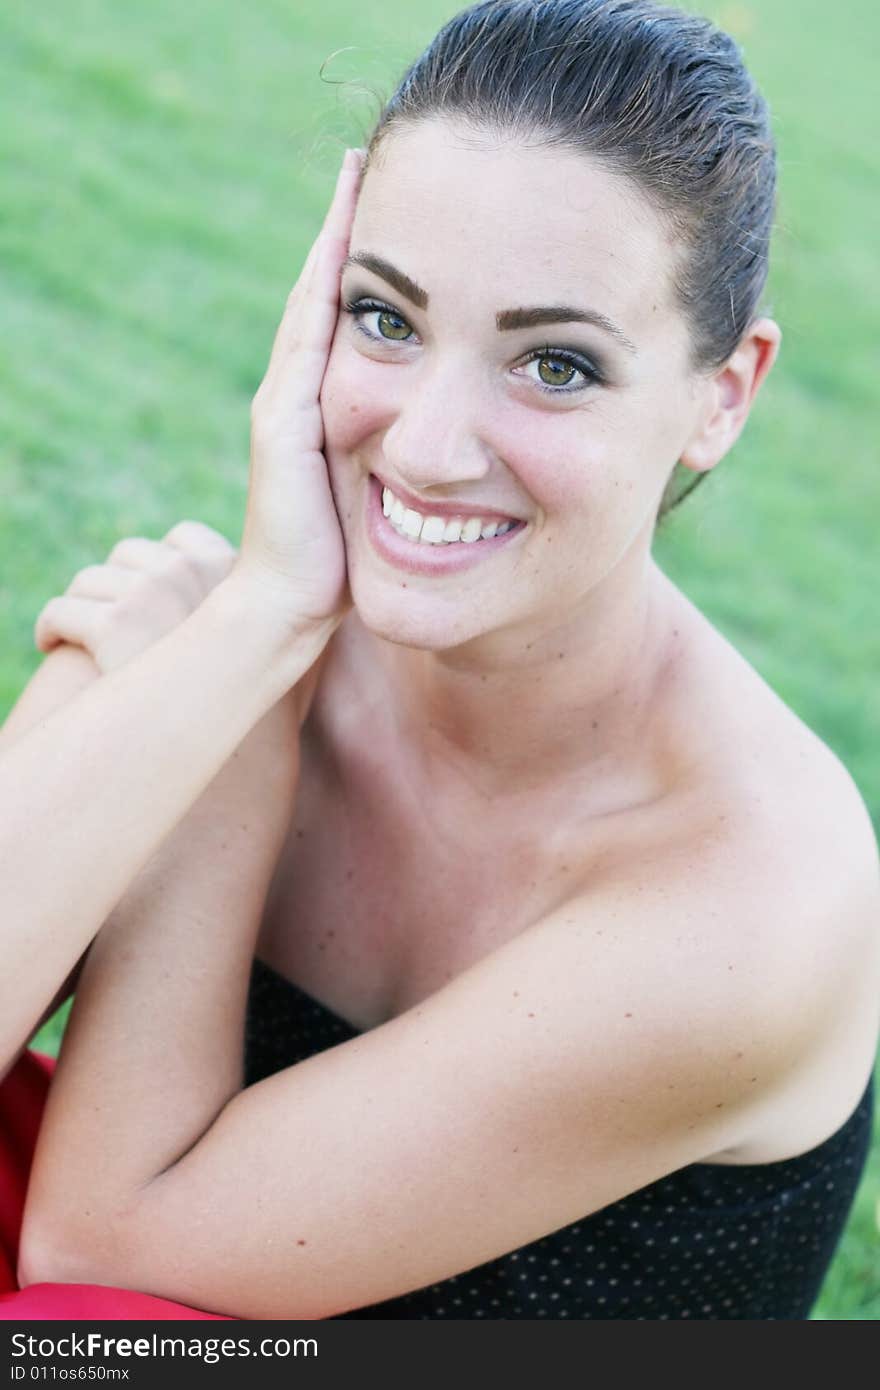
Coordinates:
412 524
434 530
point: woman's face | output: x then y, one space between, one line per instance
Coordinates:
449 387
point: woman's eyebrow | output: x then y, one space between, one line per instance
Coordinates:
506 320
386 271
562 313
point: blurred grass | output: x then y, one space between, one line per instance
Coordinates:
164 170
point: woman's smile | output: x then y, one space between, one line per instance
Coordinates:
425 542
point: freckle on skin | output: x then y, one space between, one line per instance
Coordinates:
300 1242
627 1015
531 1015
516 994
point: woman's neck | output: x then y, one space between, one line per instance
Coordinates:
513 713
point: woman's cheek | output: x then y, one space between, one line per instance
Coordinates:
350 402
554 459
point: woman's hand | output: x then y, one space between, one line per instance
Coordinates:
292 545
292 551
145 588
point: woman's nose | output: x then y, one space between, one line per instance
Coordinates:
435 438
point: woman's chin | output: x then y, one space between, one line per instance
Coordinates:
412 620
409 631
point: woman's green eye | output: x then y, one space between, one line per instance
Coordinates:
561 371
554 371
393 326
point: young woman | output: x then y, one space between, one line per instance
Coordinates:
565 1000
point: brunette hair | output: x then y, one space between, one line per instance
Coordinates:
660 96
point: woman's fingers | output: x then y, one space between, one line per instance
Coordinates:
194 537
292 540
102 582
69 619
337 223
164 563
144 589
309 320
209 552
138 553
191 555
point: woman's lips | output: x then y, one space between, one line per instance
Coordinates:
447 510
417 557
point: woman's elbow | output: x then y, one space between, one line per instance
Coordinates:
55 1250
43 1259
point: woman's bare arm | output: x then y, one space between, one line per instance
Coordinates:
89 793
108 614
60 676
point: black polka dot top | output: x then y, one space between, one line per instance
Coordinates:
709 1241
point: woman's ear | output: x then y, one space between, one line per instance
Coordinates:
729 396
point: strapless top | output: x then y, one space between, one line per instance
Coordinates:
709 1241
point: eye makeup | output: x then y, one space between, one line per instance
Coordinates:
361 307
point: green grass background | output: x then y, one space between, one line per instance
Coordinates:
163 170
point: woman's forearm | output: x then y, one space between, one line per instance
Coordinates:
153 1050
167 981
88 795
60 676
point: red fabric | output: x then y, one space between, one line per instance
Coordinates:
22 1096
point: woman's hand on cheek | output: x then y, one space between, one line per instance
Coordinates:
292 550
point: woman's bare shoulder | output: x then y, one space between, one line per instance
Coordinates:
745 750
775 835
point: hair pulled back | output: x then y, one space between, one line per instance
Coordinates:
655 94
